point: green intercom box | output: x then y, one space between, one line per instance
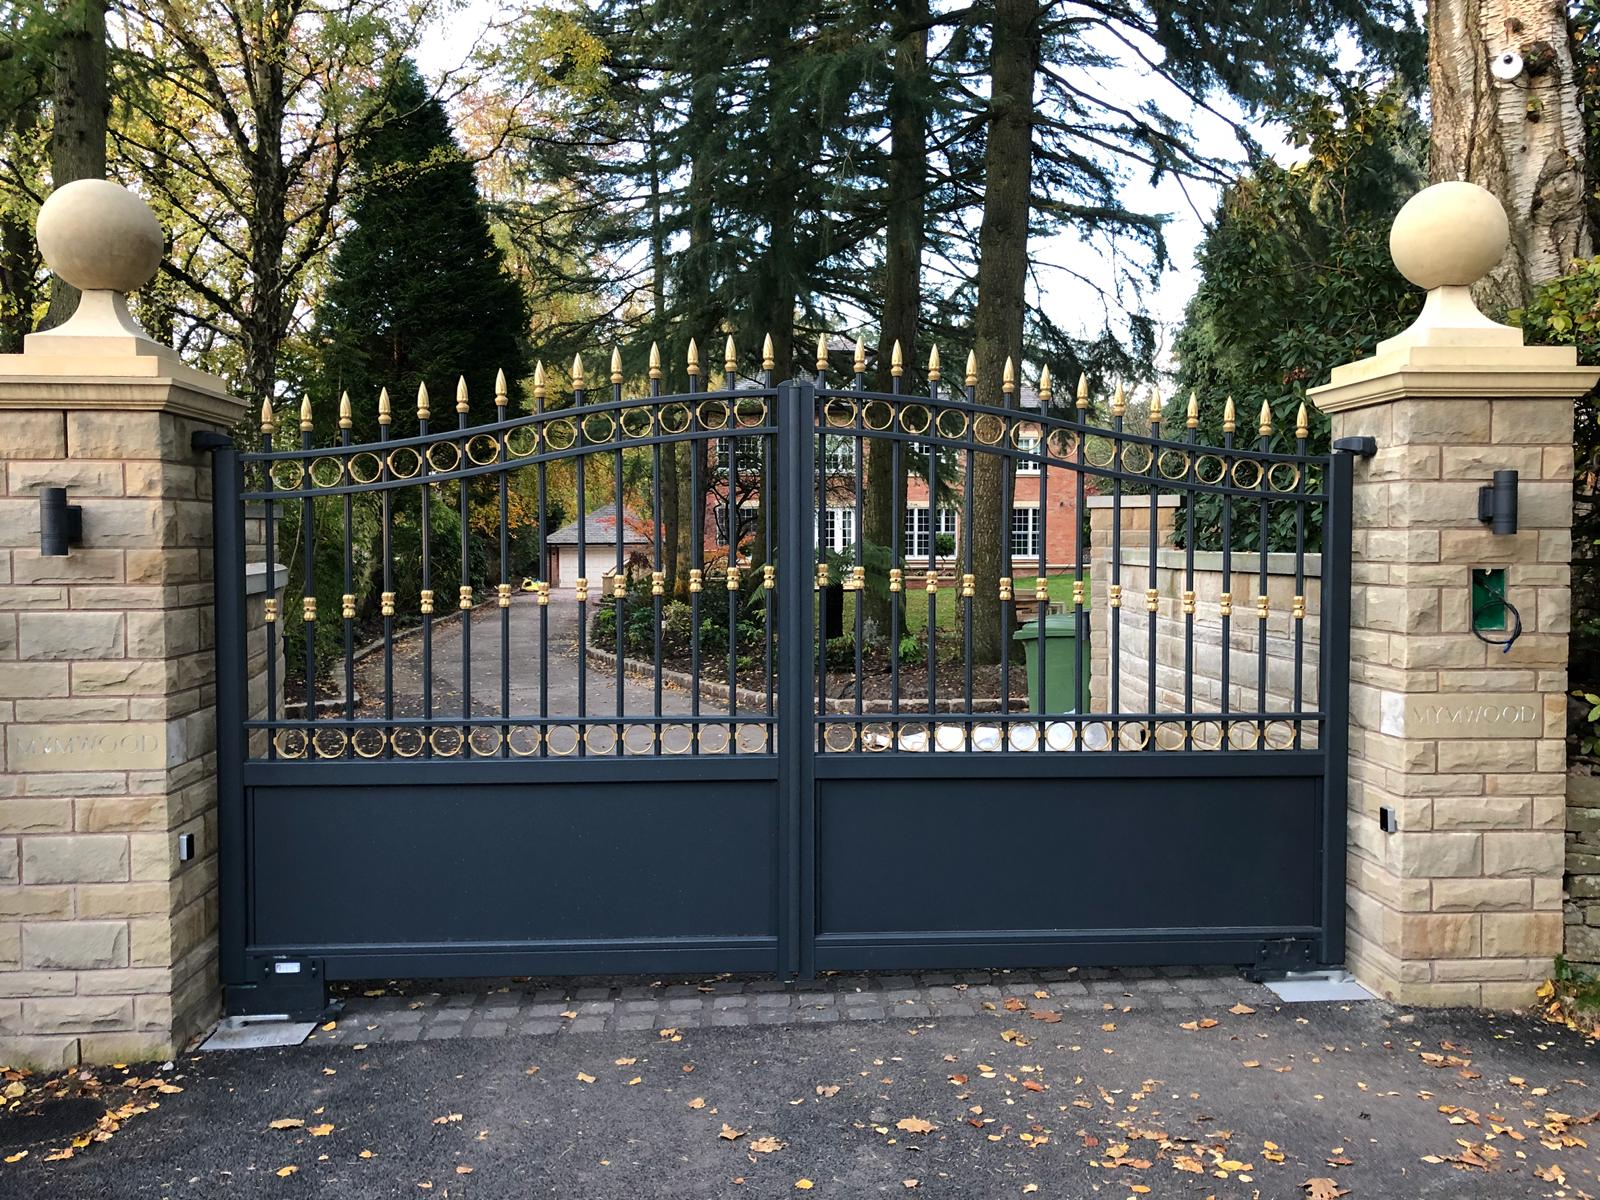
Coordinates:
1488 598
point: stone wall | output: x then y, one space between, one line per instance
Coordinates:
1582 910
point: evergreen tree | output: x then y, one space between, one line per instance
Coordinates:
419 292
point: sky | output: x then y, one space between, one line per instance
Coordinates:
1069 272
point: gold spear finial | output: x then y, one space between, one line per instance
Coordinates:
346 419
1008 377
1302 422
933 365
730 357
822 353
1119 401
538 380
1044 384
266 414
1155 406
305 414
384 413
1229 421
1083 391
694 357
616 364
577 372
422 400
861 355
769 358
461 394
1264 420
500 388
897 364
655 360
1193 419
972 368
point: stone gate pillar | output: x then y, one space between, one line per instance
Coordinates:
1457 752
107 919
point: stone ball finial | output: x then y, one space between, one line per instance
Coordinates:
1449 235
99 236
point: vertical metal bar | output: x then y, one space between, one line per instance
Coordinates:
897 529
308 567
657 576
1225 606
268 552
543 583
1008 499
931 582
386 501
1297 615
503 591
858 449
1041 577
729 382
1150 596
970 392
1264 432
464 604
769 579
1192 422
817 451
1334 685
347 602
1080 529
233 866
1114 643
796 717
426 533
619 581
581 441
697 539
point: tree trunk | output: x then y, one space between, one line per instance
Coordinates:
78 130
885 498
1002 282
1521 138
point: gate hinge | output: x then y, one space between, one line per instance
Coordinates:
1274 956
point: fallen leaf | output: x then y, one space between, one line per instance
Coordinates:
1241 1010
626 1062
729 1133
1049 1018
803 1185
1029 1189
365 1154
285 1172
1014 1005
447 1119
17 1157
1250 1062
1108 1027
766 1145
330 1026
582 1078
464 1170
637 1079
828 1089
320 1130
1323 1188
908 1184
286 1123
1012 1036
915 1125
698 1102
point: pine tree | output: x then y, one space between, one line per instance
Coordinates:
419 292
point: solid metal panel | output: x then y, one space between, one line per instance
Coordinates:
523 864
1037 948
987 853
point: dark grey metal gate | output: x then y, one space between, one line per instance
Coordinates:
592 809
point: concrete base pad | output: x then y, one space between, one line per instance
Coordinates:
255 1033
1307 987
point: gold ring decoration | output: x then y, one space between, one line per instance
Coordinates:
334 750
369 741
839 737
449 464
948 737
629 422
319 473
529 743
483 449
287 473
291 743
709 735
1294 476
1204 474
1210 739
447 741
748 414
1023 736
594 739
529 443
360 473
1067 443
597 434
914 738
561 434
672 426
1250 743
874 411
940 424
1106 730
760 747
1129 459
1143 728
1169 735
562 740
1060 735
876 738
1254 480
988 429
666 738
476 740
1279 735
407 741
1182 457
415 461
839 413
906 423
631 745
1092 452
712 414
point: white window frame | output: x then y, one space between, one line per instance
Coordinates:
919 535
839 529
839 455
1032 544
1029 443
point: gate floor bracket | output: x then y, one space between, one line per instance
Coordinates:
1278 956
293 989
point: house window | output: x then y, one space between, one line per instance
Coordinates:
918 534
1025 533
1028 443
750 455
839 529
749 519
839 455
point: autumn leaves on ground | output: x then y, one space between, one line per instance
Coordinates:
1031 1098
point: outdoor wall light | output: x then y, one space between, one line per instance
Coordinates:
1497 503
60 523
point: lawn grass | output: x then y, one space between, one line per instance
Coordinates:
949 603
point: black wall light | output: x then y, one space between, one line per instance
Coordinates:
1497 503
60 523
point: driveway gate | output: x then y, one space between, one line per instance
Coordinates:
725 781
